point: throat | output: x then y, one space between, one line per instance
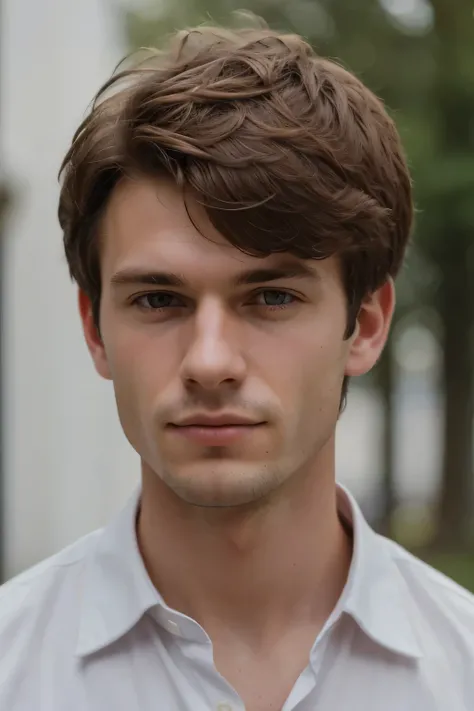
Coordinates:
257 579
249 576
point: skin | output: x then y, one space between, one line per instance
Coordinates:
253 522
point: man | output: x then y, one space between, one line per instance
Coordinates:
235 210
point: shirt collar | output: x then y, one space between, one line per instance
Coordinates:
376 595
117 590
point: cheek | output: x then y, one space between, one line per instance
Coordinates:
138 356
142 368
308 372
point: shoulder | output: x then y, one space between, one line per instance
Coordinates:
40 601
43 580
439 606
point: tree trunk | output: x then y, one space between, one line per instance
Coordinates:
455 302
453 105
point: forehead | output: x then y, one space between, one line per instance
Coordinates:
149 225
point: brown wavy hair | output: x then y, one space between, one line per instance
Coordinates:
287 151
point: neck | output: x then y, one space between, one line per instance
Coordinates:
255 571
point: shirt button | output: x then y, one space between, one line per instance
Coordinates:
224 707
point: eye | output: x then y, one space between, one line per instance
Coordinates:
275 298
156 300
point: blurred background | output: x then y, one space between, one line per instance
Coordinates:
405 446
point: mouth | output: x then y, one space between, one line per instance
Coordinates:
215 431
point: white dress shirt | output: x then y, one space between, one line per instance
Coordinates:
87 631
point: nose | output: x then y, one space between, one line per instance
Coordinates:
213 359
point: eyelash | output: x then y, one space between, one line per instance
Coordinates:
269 307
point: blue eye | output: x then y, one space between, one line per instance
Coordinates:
273 297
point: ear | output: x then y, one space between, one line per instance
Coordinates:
92 336
371 333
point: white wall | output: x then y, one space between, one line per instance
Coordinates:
68 466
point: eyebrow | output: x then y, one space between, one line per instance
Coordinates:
295 270
137 276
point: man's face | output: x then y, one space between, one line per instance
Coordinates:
227 368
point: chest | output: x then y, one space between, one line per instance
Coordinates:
185 677
185 685
161 672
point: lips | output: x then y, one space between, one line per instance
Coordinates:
218 431
223 420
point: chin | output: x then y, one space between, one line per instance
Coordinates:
222 484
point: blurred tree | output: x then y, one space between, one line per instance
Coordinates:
419 56
447 189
